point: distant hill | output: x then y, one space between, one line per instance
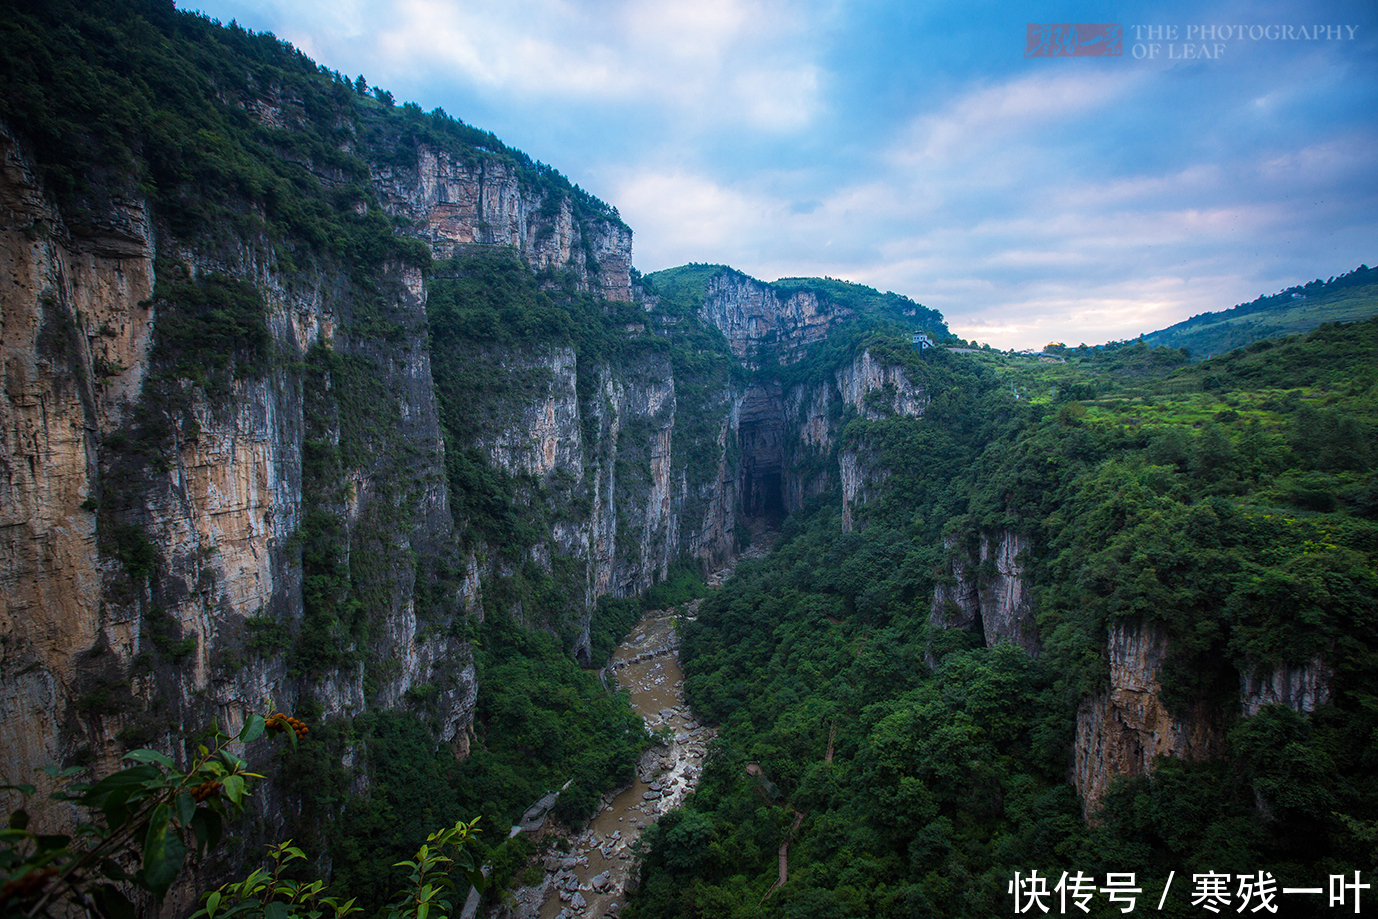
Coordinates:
776 322
1347 298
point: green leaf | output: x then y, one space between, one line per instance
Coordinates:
234 788
57 772
163 853
112 870
112 904
233 762
208 827
149 756
275 910
212 904
21 788
253 729
186 809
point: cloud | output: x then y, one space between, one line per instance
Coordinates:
742 62
1003 112
810 137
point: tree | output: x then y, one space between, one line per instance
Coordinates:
142 822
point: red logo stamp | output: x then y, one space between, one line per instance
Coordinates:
1074 39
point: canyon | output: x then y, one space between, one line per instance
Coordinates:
248 465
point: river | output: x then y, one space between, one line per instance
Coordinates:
589 880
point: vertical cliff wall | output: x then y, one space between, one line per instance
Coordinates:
987 591
76 330
185 542
459 204
763 328
1122 731
588 447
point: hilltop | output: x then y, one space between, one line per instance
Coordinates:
1301 308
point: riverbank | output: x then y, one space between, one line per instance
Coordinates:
588 875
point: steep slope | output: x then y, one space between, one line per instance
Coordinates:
1110 615
234 478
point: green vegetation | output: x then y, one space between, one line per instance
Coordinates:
1349 297
137 827
226 132
209 330
539 723
141 824
1229 503
911 770
687 285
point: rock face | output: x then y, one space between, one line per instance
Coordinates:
813 416
1121 731
878 391
66 307
142 567
760 436
988 593
601 458
760 327
1300 687
457 205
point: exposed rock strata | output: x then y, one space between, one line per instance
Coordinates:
762 328
812 420
88 652
1123 730
988 592
457 205
622 501
1300 687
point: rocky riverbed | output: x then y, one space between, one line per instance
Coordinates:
587 876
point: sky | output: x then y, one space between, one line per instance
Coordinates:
915 146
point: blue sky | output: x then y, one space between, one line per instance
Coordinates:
912 146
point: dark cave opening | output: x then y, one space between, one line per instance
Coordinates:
760 437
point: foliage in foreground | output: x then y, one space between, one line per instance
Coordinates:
142 824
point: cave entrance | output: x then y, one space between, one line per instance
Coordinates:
760 438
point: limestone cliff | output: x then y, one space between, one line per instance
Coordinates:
810 421
987 591
152 573
1123 730
458 204
133 560
761 327
619 500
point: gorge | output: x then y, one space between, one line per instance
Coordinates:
322 405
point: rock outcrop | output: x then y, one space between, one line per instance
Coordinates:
458 205
762 328
1123 730
1300 687
988 593
620 500
894 393
150 535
